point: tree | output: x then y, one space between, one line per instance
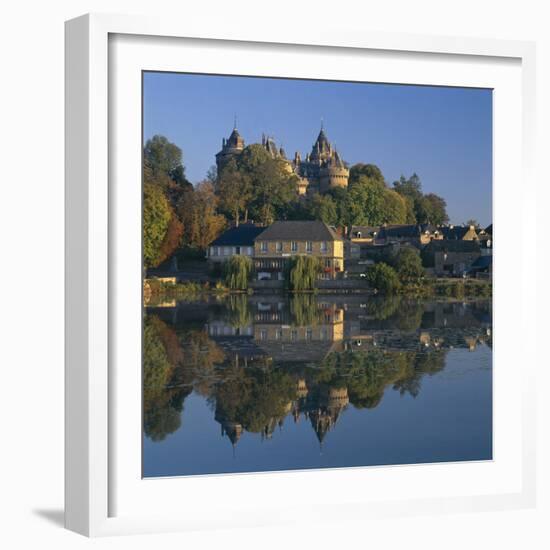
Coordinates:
234 191
438 209
370 202
370 171
237 272
322 207
272 186
383 278
164 157
172 238
429 208
198 213
303 272
156 220
408 264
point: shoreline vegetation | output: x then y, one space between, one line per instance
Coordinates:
459 289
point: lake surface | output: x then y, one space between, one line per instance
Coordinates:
266 383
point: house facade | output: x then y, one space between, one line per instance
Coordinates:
415 234
450 257
285 239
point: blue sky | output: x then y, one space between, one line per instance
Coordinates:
442 134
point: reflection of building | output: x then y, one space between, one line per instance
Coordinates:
330 404
285 239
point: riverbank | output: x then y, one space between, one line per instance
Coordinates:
167 289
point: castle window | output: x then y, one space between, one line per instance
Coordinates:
294 246
279 247
309 246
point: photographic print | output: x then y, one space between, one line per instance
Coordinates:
317 274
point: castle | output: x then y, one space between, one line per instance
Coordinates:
321 170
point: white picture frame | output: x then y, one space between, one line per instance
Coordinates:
99 499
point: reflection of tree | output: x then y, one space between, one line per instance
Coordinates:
365 375
161 355
238 310
304 310
255 398
396 312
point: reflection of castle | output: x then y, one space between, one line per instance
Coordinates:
321 170
324 413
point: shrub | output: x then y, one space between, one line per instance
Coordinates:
383 278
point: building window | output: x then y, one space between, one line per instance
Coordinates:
214 251
294 335
279 247
263 247
327 263
238 250
279 334
294 246
225 251
263 335
324 246
309 246
309 334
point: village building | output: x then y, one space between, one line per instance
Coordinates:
415 234
285 239
459 232
321 170
450 257
236 241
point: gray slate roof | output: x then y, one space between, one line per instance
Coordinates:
452 246
243 235
298 231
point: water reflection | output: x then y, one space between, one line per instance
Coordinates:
258 360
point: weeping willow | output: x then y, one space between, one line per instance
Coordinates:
237 272
303 273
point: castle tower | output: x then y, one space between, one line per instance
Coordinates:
323 168
231 148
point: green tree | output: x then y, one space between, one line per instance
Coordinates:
438 209
156 220
408 264
237 272
322 207
273 186
370 171
383 278
164 157
235 191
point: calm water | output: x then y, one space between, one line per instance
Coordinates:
263 383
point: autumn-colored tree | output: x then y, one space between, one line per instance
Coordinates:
198 213
172 239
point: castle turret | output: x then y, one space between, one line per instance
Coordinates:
231 148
